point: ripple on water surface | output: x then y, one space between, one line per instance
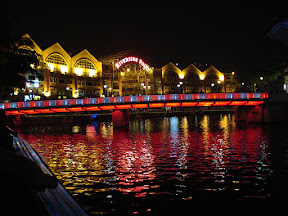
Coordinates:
157 163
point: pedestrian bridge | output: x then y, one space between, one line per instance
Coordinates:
134 102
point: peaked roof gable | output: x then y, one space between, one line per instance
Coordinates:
170 65
84 54
36 47
212 69
193 68
56 48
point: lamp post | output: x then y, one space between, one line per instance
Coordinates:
262 78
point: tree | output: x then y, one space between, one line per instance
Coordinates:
265 77
16 59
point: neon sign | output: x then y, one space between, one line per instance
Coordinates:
132 59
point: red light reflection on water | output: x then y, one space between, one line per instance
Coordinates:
174 155
134 161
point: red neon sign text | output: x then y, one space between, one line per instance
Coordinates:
132 59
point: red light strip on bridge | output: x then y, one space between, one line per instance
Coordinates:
189 104
29 112
172 104
93 108
43 111
206 103
108 107
156 105
60 110
254 103
13 112
237 103
140 106
221 103
124 106
76 109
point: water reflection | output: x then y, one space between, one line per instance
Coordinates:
173 158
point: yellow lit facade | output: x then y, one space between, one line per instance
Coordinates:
82 75
193 80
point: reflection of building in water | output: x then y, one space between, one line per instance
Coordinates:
204 125
138 162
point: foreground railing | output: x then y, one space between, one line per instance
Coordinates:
134 99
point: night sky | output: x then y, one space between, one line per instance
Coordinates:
229 36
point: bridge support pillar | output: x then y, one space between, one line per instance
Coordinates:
120 118
17 121
257 114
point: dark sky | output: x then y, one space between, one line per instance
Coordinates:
229 36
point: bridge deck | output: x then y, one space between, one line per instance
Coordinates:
129 102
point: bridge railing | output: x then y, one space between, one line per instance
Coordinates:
134 99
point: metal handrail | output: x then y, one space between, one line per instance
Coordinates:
57 201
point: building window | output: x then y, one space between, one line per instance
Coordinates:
56 58
85 63
88 83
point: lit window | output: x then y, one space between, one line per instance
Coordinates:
86 66
56 58
63 69
92 73
85 63
221 78
78 71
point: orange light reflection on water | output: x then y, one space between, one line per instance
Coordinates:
156 156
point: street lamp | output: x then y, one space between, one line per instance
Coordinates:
261 78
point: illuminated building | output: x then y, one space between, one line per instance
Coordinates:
82 75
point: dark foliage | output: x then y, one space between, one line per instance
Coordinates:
16 58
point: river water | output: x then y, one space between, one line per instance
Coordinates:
167 164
